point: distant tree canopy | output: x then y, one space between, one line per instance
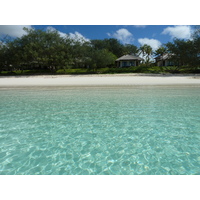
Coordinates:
39 49
160 51
48 50
185 53
101 58
114 46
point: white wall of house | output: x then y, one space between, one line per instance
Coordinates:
164 63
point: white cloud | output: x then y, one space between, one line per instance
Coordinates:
78 37
13 30
123 35
1 44
51 29
181 32
74 36
109 34
151 42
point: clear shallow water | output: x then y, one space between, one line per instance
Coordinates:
99 130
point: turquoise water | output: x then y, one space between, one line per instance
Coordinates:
100 130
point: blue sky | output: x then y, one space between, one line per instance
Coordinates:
154 35
101 31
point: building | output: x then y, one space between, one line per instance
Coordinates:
128 61
164 60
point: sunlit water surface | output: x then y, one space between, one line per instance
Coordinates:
100 130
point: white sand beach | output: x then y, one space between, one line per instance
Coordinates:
99 80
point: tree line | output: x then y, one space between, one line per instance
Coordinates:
40 49
47 50
183 53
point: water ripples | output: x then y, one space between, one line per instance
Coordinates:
100 131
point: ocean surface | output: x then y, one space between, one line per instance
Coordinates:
100 130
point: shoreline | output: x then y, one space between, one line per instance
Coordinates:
100 80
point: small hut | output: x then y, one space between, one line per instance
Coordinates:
128 61
164 60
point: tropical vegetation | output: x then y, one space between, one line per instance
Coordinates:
47 52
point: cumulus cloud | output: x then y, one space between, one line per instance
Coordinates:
75 36
51 29
13 30
123 35
181 32
155 44
78 37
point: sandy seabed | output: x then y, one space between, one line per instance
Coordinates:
100 80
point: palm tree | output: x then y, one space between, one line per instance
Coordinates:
161 51
146 52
